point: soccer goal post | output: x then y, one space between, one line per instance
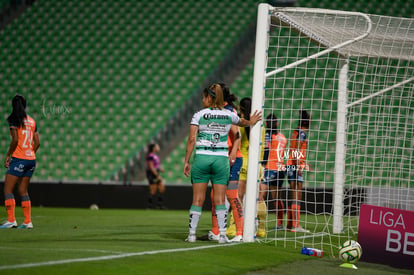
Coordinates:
354 74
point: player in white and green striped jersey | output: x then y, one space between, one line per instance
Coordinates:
209 130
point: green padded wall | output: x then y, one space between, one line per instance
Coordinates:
102 77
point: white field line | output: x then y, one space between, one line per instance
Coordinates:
109 257
64 249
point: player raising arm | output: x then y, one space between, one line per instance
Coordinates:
209 132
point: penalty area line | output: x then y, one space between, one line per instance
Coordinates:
110 257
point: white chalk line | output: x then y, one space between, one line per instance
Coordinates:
110 257
63 249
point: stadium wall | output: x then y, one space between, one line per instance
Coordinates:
134 196
105 195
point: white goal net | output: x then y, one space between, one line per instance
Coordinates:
354 74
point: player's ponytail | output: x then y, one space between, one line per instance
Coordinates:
304 120
18 113
216 94
272 124
227 96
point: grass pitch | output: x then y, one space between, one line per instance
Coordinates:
111 241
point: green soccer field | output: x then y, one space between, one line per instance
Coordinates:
108 241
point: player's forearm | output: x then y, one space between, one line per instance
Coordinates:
189 150
245 123
254 118
36 142
233 153
36 147
236 143
12 147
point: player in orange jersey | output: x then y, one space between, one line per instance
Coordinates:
274 173
296 165
20 161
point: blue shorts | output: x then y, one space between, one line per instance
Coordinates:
292 173
21 167
274 178
235 170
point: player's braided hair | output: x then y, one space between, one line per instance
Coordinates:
271 124
304 120
245 109
228 96
18 113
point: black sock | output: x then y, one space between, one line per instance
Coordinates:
160 201
150 201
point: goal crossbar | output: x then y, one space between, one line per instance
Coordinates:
380 92
397 42
319 38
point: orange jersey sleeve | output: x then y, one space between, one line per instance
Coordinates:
24 149
298 146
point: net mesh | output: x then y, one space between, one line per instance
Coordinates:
380 113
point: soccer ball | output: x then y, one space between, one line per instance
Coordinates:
350 251
94 207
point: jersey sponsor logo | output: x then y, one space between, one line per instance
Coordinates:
209 116
28 123
20 168
216 126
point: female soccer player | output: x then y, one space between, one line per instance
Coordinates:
20 161
274 173
235 228
209 132
245 109
155 181
295 166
